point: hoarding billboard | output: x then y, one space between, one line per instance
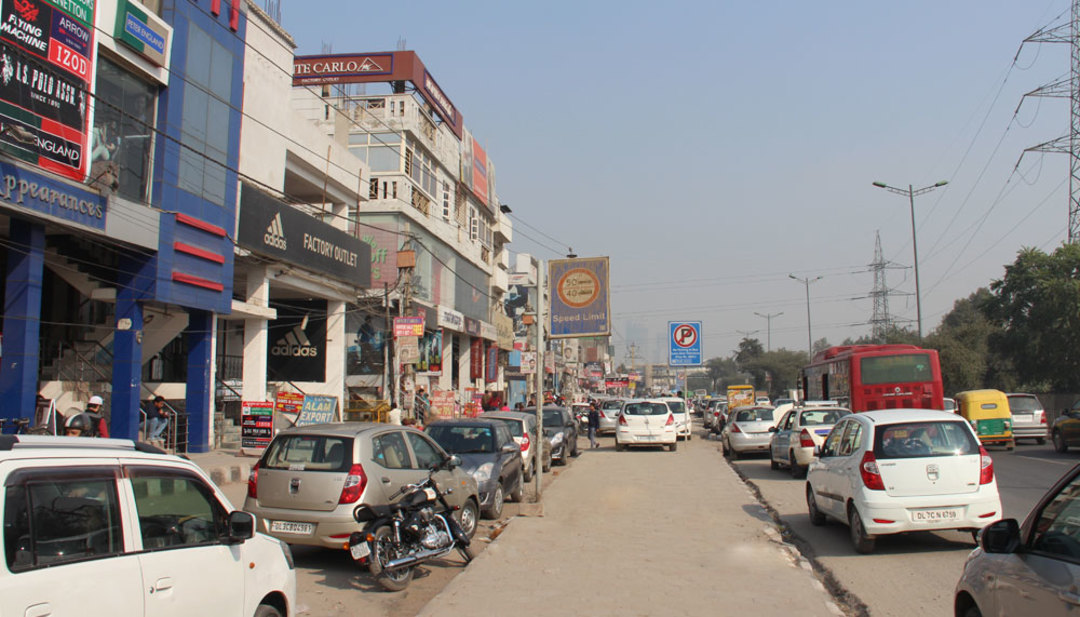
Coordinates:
580 302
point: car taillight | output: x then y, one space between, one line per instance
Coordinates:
670 420
355 483
525 443
986 476
805 440
253 482
1042 418
735 428
622 420
871 477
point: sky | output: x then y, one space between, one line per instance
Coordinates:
714 149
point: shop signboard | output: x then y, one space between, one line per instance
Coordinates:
491 367
140 29
47 61
317 409
297 350
23 189
472 327
476 359
442 403
430 360
449 318
408 326
579 293
256 425
289 403
504 331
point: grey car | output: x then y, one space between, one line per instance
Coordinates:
747 430
520 425
489 453
561 429
609 415
309 480
1028 417
1029 569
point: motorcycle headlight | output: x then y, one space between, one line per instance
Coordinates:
483 473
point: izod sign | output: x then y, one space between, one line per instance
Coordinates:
46 65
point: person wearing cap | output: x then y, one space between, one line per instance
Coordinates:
100 428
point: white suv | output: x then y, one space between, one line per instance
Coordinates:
110 527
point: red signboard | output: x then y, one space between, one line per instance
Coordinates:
476 359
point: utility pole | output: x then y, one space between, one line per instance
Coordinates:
538 462
768 320
809 333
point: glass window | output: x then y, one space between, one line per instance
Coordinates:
309 453
427 453
389 450
920 439
1024 404
122 138
896 369
676 406
206 117
465 439
820 417
852 439
1058 529
641 409
384 158
54 521
757 414
832 442
176 510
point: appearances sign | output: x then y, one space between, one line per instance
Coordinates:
22 188
275 229
297 350
46 69
579 292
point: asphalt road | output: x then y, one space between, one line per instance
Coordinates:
910 574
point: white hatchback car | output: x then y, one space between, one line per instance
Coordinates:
681 412
110 527
645 422
899 470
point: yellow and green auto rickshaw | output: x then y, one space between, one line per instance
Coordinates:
988 412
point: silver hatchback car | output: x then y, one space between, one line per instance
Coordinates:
306 485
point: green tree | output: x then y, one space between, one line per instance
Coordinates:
722 373
776 372
1036 307
963 344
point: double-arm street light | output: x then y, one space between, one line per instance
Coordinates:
809 335
911 193
768 319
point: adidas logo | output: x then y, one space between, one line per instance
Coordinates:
275 234
295 343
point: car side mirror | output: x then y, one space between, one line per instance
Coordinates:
773 429
241 526
1001 537
454 462
511 448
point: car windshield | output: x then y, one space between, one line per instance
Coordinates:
919 439
553 418
899 368
645 409
611 405
515 426
676 406
309 453
466 439
1024 404
754 415
818 417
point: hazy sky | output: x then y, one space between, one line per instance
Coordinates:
713 148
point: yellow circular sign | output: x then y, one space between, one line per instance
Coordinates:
578 288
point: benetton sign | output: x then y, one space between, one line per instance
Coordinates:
275 229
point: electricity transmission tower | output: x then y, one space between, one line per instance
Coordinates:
880 322
1065 88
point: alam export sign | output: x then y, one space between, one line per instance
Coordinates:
579 297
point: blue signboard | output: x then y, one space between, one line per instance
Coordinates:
317 410
579 297
684 338
21 188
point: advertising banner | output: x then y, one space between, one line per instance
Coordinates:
47 56
365 339
476 359
430 360
289 403
579 292
256 425
408 326
317 409
442 404
471 295
504 331
528 363
408 350
491 367
297 350
618 382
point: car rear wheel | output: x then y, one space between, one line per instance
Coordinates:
267 610
733 453
673 447
496 508
797 470
862 542
518 494
618 446
1040 440
817 519
1059 442
772 462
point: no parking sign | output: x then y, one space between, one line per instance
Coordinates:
684 338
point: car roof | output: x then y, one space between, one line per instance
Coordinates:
49 446
508 415
345 429
465 422
891 416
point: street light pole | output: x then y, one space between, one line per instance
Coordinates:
768 328
911 192
809 334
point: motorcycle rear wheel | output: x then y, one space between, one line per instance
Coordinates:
383 552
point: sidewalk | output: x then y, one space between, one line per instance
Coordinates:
224 466
640 533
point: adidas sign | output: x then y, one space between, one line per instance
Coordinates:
295 344
275 234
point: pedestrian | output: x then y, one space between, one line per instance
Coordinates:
79 425
594 425
97 416
394 415
158 420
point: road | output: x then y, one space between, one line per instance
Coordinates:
912 574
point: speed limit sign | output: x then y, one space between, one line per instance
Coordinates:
684 343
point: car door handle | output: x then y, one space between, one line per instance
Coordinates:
1070 596
163 584
39 610
385 480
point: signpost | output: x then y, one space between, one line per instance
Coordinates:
256 426
684 338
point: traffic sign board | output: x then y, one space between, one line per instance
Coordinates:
685 343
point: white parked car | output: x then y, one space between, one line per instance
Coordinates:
646 422
899 470
801 430
107 527
682 416
747 431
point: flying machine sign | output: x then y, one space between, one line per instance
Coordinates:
46 69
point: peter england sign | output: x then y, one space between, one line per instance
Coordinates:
272 228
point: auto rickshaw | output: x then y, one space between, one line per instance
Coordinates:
988 412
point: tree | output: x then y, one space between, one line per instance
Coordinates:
963 344
1036 307
749 349
723 372
777 371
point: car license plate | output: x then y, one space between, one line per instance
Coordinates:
359 551
1025 418
933 516
305 529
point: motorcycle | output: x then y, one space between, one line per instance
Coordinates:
418 528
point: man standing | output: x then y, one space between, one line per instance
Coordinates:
97 416
594 425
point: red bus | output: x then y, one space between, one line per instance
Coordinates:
869 377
